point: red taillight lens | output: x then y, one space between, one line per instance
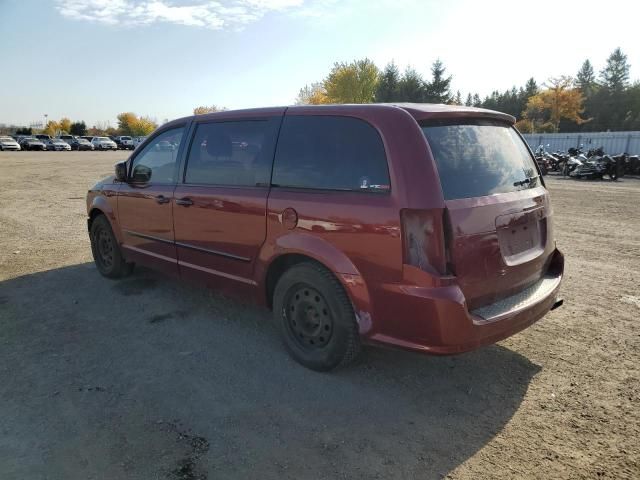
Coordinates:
424 242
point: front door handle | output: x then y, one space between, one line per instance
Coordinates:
185 202
162 199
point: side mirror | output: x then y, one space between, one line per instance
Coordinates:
141 174
121 171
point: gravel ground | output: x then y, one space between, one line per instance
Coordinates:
146 378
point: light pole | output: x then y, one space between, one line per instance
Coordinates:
45 121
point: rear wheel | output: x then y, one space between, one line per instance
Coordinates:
106 251
316 318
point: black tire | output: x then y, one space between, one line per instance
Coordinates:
106 251
316 318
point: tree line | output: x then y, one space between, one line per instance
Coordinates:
586 102
128 124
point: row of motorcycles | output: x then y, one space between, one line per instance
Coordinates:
595 164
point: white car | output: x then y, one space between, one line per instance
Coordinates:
8 143
103 143
57 144
125 142
137 141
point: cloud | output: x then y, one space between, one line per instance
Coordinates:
215 15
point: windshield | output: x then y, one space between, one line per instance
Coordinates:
125 138
6 139
102 139
478 158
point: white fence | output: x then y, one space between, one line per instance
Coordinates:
612 142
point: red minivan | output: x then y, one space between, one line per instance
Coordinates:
426 227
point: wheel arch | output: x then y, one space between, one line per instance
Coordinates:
299 248
100 205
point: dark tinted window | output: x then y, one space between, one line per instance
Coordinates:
156 163
232 153
335 153
480 158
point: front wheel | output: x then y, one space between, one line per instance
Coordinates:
106 251
316 318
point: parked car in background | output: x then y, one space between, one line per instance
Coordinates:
8 143
79 143
32 143
103 143
42 137
426 227
137 141
166 146
124 142
66 138
55 144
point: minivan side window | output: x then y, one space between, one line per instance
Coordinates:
330 153
157 162
234 153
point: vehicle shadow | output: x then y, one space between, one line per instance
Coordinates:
149 378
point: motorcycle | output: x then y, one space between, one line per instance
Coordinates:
575 161
542 160
630 163
598 164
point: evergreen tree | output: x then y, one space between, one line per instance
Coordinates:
608 104
437 90
457 100
388 84
476 100
469 101
531 88
411 87
615 75
586 79
78 128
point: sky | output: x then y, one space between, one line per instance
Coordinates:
92 59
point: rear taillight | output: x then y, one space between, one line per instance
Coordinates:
424 235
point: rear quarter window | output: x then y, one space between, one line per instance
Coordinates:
480 158
330 153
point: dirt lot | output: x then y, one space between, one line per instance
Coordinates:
145 378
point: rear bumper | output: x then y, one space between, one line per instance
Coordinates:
437 321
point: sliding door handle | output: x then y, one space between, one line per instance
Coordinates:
185 202
162 199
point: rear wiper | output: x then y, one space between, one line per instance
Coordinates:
522 182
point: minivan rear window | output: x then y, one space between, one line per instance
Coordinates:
479 158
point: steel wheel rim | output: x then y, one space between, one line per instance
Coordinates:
308 318
104 245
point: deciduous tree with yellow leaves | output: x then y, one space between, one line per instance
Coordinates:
65 125
130 124
207 109
561 99
313 94
52 128
353 82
